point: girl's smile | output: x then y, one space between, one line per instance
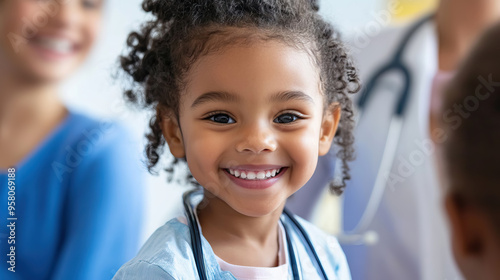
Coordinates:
255 177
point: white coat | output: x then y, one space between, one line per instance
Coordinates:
414 242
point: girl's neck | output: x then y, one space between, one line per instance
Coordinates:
459 24
233 235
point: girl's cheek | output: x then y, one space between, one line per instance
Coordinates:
307 150
308 137
203 160
206 148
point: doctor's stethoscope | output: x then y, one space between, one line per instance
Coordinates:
360 234
288 221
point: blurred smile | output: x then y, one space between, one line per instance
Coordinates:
54 47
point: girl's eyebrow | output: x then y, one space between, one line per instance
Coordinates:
229 97
291 95
215 96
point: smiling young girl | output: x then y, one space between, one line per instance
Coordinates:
249 93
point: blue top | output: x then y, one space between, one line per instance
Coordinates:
78 204
168 255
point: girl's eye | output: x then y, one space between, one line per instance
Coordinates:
221 118
286 118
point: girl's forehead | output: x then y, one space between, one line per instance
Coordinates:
276 51
217 40
259 64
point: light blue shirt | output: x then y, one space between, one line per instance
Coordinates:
168 255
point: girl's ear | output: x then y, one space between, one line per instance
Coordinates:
329 126
173 136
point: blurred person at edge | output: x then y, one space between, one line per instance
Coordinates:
471 157
412 234
77 199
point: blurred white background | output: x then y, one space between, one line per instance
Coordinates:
94 91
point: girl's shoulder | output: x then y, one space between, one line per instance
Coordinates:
327 248
168 239
319 238
166 253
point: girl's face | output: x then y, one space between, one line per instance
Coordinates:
252 124
47 39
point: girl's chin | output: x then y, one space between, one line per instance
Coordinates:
255 210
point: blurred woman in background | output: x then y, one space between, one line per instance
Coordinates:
76 198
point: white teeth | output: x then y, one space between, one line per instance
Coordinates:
251 175
56 45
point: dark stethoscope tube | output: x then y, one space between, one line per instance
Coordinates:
198 251
195 234
360 233
395 64
307 241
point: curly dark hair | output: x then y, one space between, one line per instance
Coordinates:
161 53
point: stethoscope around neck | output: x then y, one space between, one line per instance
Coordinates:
288 221
360 234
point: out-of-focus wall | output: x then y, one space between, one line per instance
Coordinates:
353 16
415 7
94 91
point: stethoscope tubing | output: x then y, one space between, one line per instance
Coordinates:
385 166
308 244
194 234
358 234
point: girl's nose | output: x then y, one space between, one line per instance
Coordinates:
257 139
